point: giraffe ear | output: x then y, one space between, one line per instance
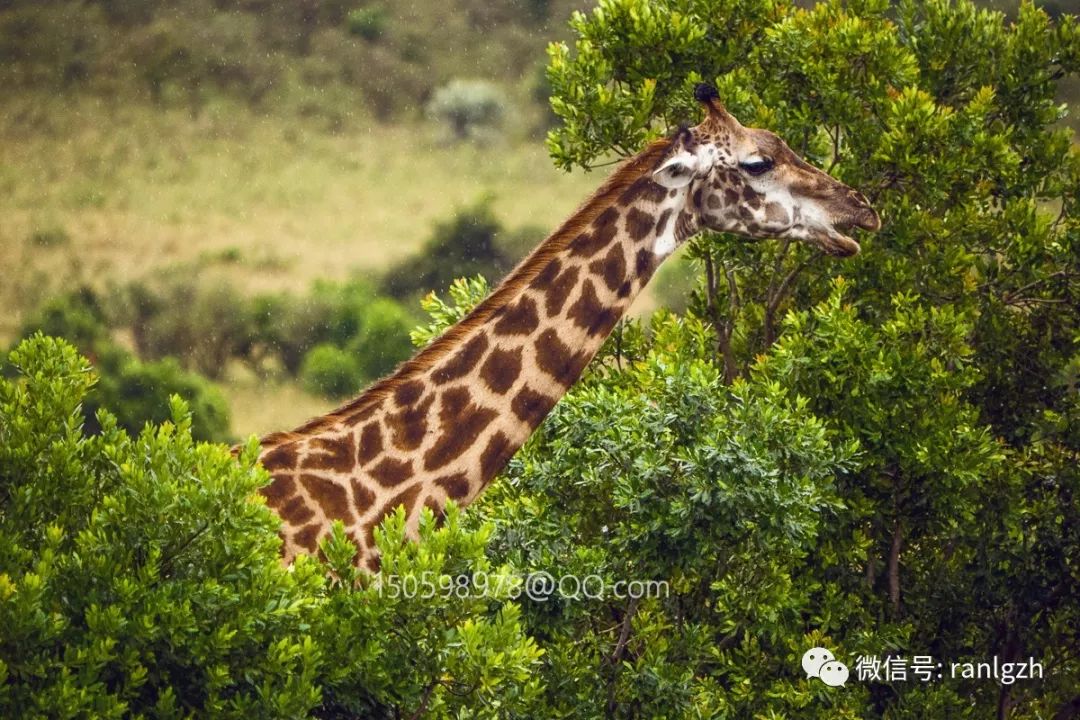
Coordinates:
678 170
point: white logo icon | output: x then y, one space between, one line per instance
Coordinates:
820 663
833 673
813 659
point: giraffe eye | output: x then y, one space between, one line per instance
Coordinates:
757 167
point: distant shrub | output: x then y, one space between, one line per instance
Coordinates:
348 316
52 44
330 371
367 22
463 246
202 325
345 306
138 393
383 341
128 12
286 327
467 107
78 316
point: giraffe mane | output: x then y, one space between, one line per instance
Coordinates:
619 182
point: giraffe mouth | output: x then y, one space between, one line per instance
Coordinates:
833 242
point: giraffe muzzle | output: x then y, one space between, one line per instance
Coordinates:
867 219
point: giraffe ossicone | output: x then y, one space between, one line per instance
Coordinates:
448 419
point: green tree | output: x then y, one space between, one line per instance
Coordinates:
922 412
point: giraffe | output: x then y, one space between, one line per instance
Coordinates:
447 420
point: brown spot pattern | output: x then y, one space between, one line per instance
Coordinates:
589 313
408 392
775 213
557 360
406 497
363 498
684 226
308 537
644 189
604 229
548 274
358 417
501 369
453 404
281 487
612 267
456 485
390 472
296 511
662 221
559 290
283 456
462 361
643 264
518 319
409 425
638 223
371 443
331 453
330 496
459 436
532 407
498 452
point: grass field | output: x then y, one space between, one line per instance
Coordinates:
100 191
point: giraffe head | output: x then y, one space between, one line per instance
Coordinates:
747 181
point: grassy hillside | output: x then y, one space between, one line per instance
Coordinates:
100 193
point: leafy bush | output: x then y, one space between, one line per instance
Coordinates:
136 576
287 327
347 316
383 340
78 316
467 108
139 577
328 370
138 392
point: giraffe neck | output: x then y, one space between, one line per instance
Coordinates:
447 421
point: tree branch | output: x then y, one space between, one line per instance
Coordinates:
424 701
